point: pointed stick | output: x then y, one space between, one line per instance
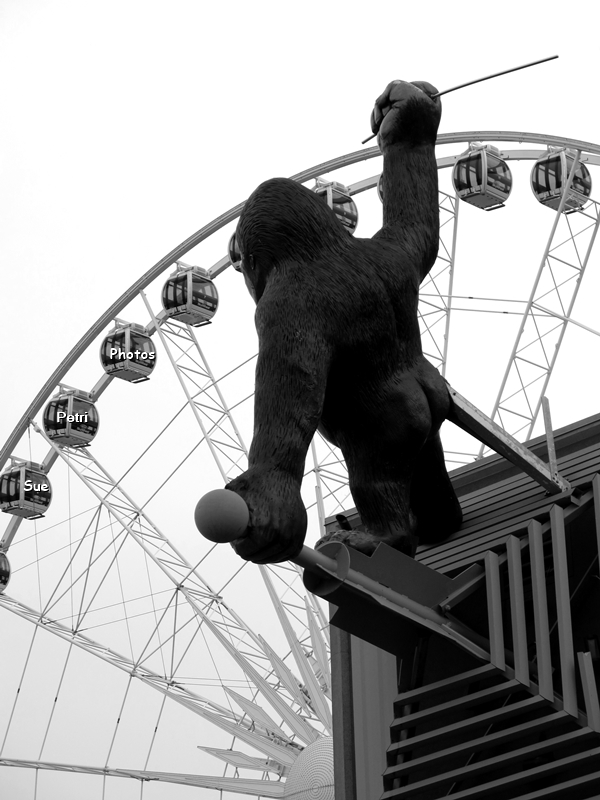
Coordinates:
479 80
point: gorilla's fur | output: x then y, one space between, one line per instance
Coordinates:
340 349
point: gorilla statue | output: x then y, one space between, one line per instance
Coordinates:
340 349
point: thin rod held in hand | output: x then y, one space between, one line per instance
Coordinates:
479 80
495 75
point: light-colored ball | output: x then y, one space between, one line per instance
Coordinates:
221 516
311 777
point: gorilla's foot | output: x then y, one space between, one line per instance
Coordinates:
367 541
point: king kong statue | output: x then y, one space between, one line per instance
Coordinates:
340 349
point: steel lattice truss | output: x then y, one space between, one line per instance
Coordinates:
258 733
261 788
241 643
181 612
435 294
204 395
545 320
219 429
183 616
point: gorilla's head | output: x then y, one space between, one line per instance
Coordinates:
283 222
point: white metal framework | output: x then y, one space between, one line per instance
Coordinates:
121 580
546 316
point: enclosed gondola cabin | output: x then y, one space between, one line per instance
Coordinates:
128 353
71 419
337 197
25 490
481 177
4 571
234 253
190 296
549 178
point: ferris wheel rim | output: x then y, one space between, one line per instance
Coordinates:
224 219
229 216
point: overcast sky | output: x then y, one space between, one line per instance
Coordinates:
127 125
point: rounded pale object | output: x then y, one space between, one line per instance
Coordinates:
221 516
311 777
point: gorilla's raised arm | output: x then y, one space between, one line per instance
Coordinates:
407 119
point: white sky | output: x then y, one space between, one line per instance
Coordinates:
129 125
127 129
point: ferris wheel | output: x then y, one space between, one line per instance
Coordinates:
142 657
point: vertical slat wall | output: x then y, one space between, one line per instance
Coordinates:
590 690
494 601
520 657
563 610
517 609
540 610
519 684
596 490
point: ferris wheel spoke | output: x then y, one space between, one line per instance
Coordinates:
314 689
208 606
258 714
164 684
203 394
258 733
296 690
256 788
302 612
320 649
84 576
319 613
126 512
331 478
191 361
240 760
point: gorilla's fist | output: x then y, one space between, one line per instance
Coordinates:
406 112
277 523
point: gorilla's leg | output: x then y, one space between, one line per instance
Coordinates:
433 499
381 442
382 497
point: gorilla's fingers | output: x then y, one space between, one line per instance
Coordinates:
384 97
429 90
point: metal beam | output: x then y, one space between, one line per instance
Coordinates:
494 604
339 569
469 772
563 611
249 786
466 416
590 690
540 610
479 744
471 723
254 734
517 609
524 402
